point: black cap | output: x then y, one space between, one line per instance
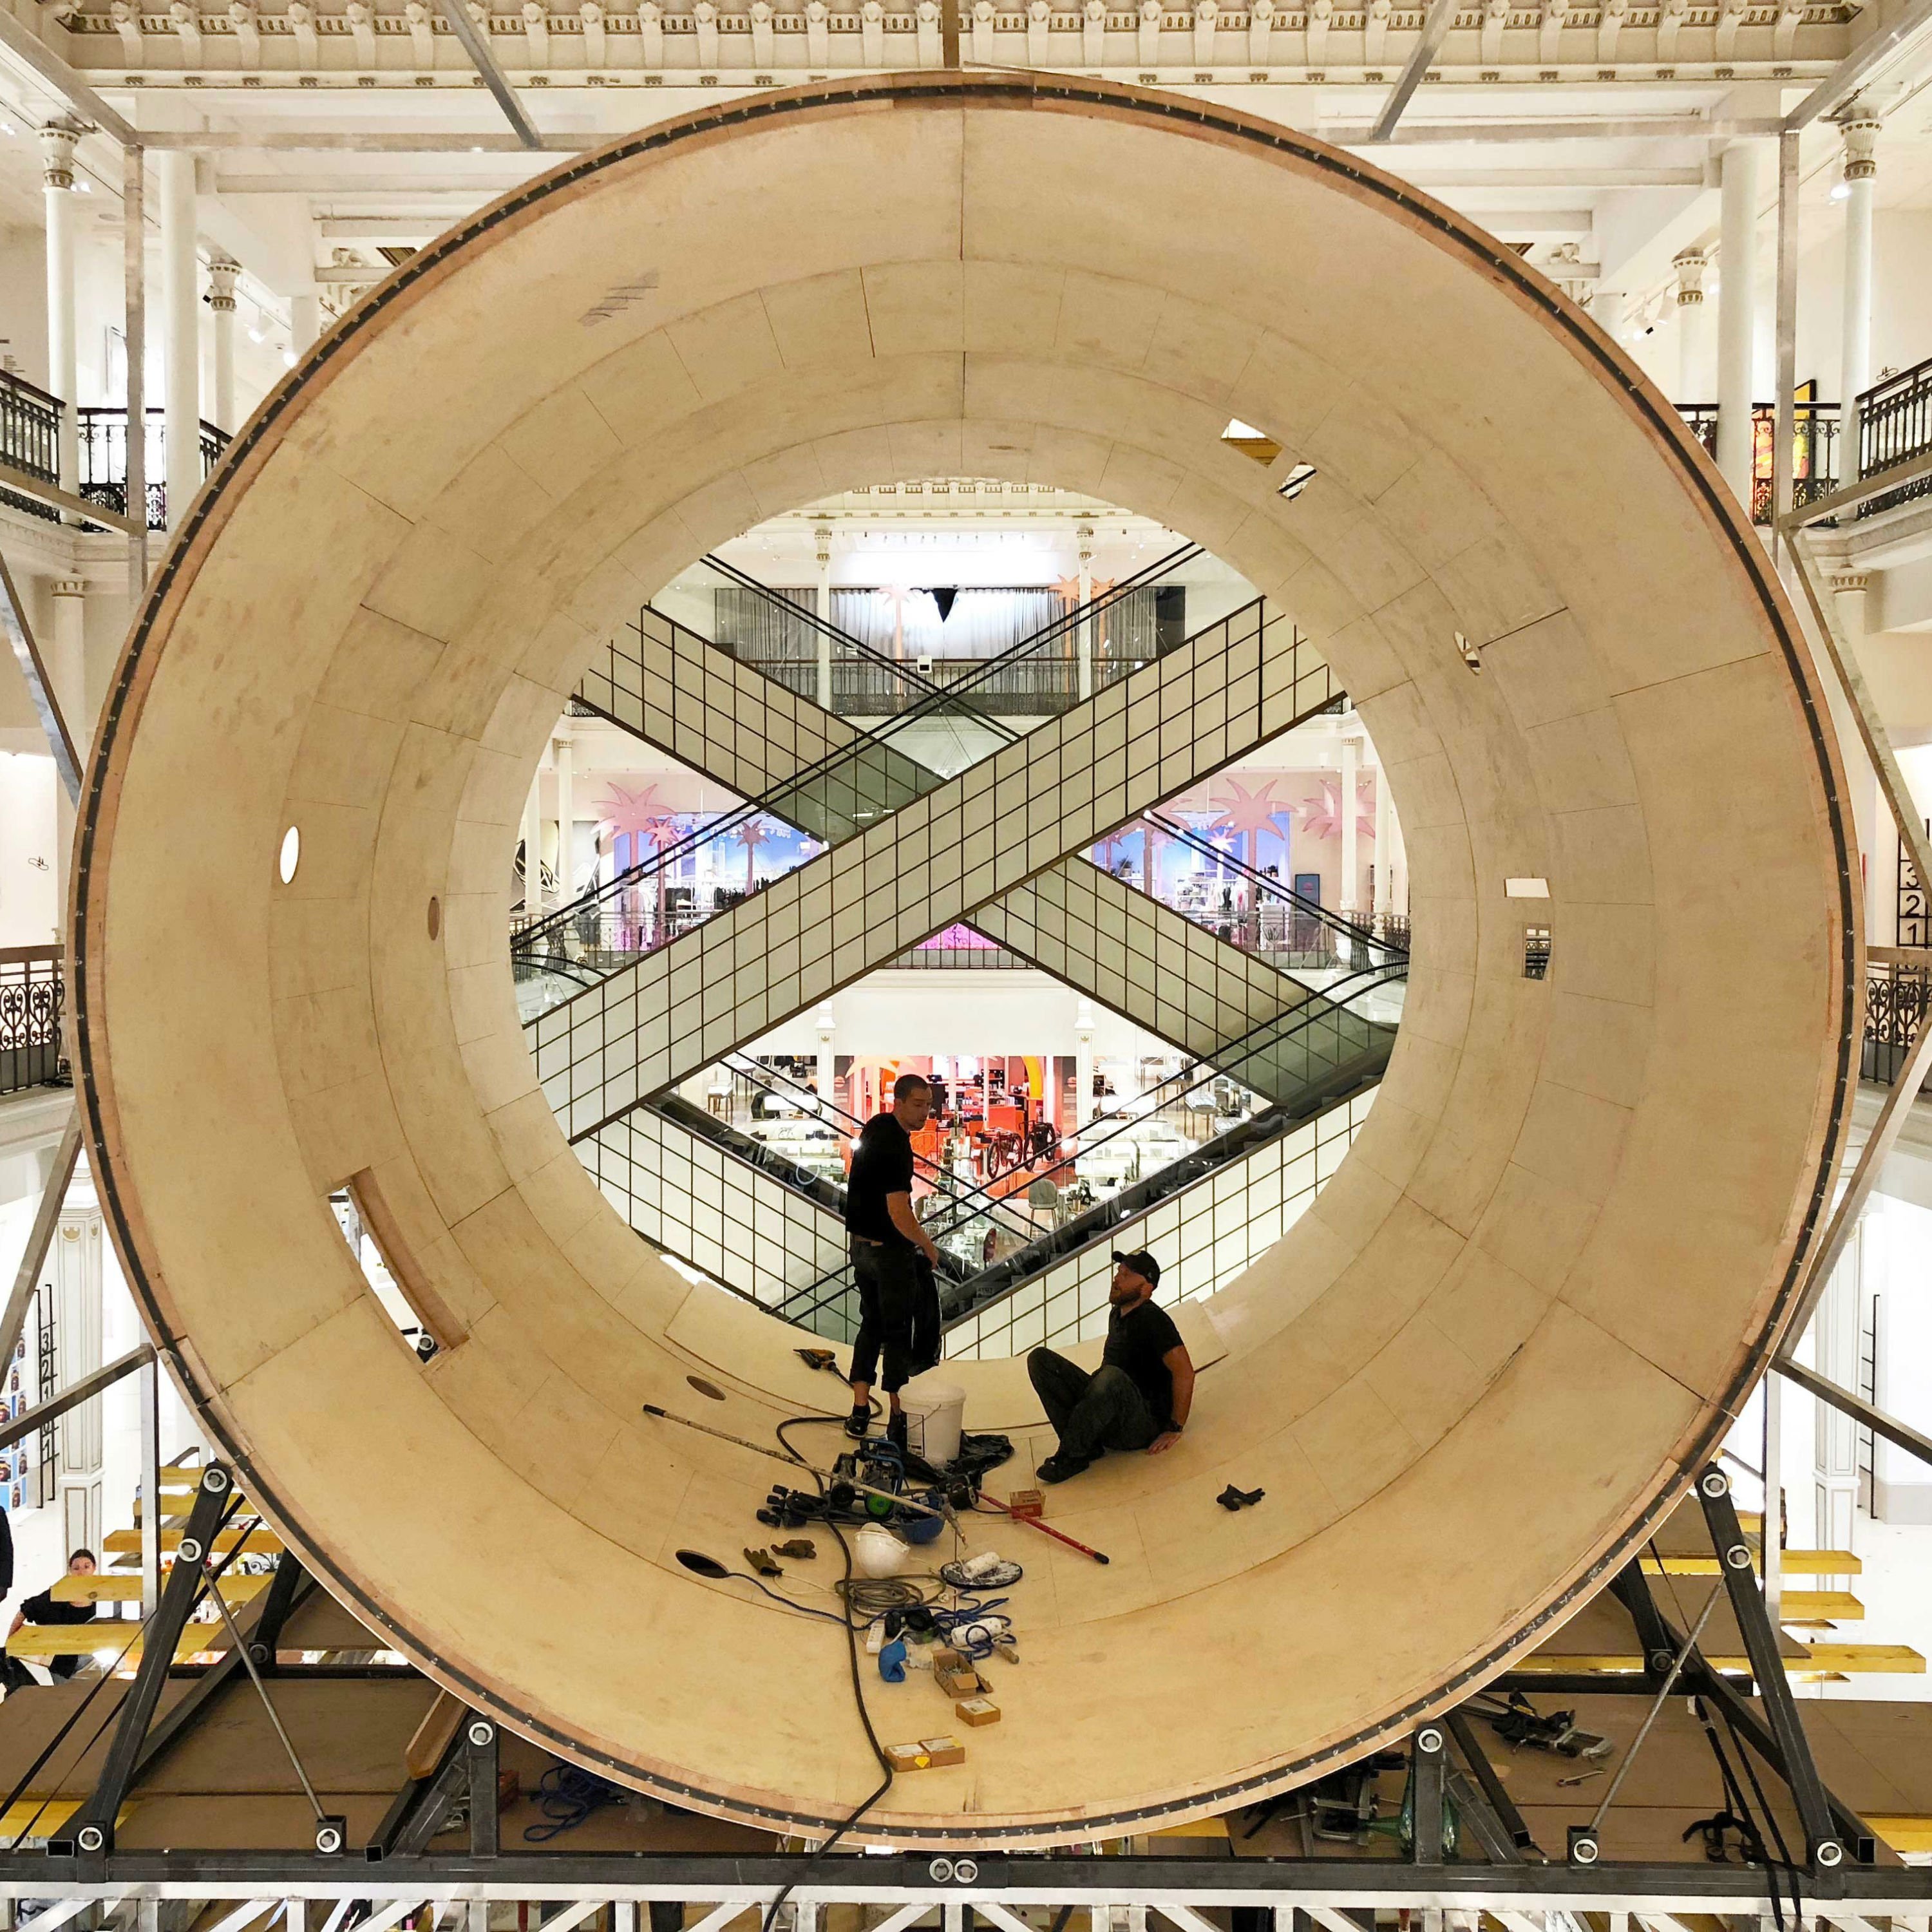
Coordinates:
1142 1263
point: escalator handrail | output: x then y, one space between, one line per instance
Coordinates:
1197 1073
825 766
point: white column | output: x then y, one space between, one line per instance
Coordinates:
822 536
1737 302
566 819
1351 747
181 317
828 1057
1861 137
67 668
75 1265
1084 631
1835 1355
533 847
1083 1070
57 144
304 321
1384 857
1694 352
223 274
1607 311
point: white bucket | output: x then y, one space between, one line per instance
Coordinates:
935 1411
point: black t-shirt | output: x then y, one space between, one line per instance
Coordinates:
1138 1342
881 1165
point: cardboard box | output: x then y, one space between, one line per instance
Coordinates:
928 1754
976 1710
966 1682
1028 1505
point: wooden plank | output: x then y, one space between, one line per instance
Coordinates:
115 1642
424 1751
261 1542
1867 1659
1904 1834
1794 1562
1808 1606
99 1589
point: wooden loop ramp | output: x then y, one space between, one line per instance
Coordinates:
1527 1303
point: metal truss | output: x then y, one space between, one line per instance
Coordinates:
1338 1894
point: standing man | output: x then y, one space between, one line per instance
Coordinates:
892 1258
1140 1396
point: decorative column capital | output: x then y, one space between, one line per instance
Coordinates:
1847 583
822 538
69 587
223 274
1690 265
1861 138
58 139
1085 534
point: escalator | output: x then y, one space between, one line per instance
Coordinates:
1336 1063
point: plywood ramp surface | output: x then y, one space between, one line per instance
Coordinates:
1525 1306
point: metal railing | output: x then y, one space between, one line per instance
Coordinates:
30 421
1897 993
1895 426
1814 450
33 998
104 459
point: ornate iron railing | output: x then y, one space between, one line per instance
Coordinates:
1814 450
1895 426
30 422
32 999
104 459
1896 990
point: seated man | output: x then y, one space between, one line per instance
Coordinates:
1139 1396
44 1609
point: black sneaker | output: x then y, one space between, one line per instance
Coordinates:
859 1422
1057 1469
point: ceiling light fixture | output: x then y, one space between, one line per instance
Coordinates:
1842 191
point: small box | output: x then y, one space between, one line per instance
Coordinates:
1027 1505
976 1710
927 1754
965 1682
945 1658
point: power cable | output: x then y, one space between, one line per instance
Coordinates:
825 1845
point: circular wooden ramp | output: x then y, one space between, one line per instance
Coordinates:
1468 1378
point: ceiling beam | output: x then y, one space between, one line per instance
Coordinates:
1436 24
478 49
1859 66
1484 134
341 143
21 41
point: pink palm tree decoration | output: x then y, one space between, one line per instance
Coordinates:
1252 814
1321 818
623 814
662 831
897 596
751 834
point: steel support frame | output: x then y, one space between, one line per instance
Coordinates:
92 1826
1825 1851
1732 1696
1313 1885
